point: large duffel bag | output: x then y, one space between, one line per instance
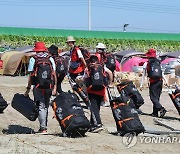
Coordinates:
126 117
130 90
3 104
25 106
70 115
175 97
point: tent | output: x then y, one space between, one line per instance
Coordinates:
15 62
129 65
167 60
124 55
175 54
25 49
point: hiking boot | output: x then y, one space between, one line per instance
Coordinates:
162 112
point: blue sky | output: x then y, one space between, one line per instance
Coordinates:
161 16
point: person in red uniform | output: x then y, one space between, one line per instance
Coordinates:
100 53
155 86
95 97
77 62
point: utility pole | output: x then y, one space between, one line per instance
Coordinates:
89 14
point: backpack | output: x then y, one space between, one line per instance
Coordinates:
110 62
61 66
43 73
70 115
86 54
154 69
97 79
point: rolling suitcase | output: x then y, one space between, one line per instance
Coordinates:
125 116
130 90
3 104
175 97
25 106
70 115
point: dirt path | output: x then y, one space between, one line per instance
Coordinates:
16 132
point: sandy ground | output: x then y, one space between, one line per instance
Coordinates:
16 132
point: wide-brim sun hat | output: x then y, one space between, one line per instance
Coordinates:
101 46
70 39
151 53
39 46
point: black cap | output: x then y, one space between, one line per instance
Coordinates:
53 50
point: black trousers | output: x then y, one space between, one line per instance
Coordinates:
95 109
155 90
59 81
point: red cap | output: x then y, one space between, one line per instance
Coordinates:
151 53
39 46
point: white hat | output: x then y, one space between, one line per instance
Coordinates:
70 39
101 46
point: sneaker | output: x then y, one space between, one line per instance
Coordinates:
42 132
162 112
154 115
105 104
96 129
155 112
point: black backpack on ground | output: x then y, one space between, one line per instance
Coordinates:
70 115
61 66
175 97
3 104
25 106
154 68
43 73
110 62
131 91
126 117
97 79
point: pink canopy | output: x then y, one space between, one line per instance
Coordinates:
134 61
167 60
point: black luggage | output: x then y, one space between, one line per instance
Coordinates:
126 99
25 106
70 115
130 90
3 104
175 97
126 117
